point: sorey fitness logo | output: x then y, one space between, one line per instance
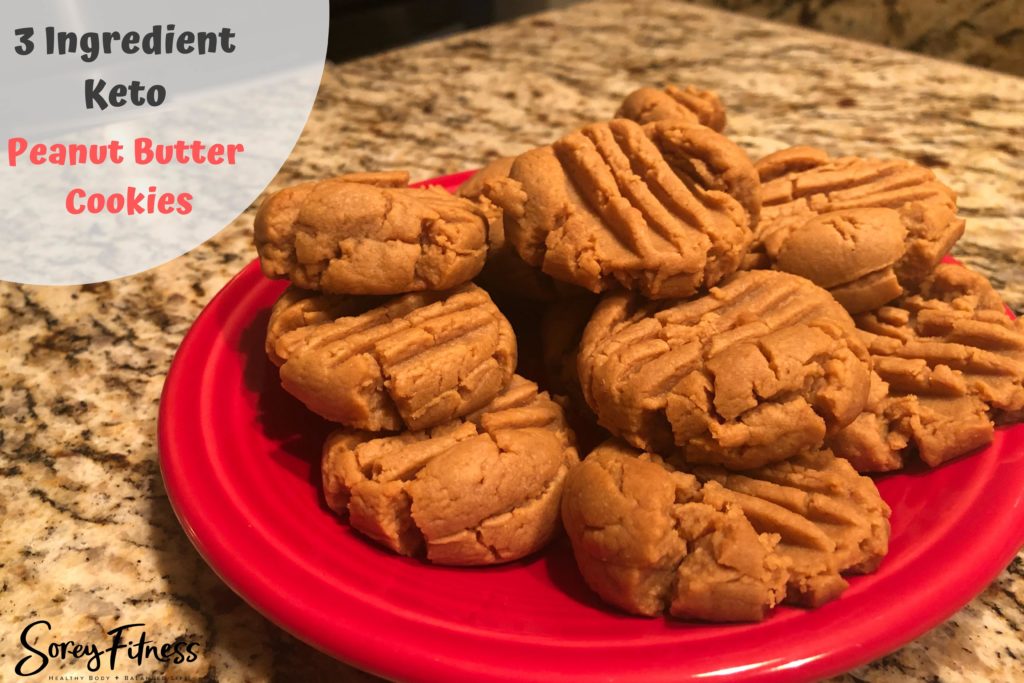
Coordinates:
128 646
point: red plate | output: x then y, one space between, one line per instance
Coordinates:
240 462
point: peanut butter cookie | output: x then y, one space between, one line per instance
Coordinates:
664 209
844 207
473 190
414 362
482 489
505 272
646 541
720 546
875 441
298 309
852 253
689 104
340 236
830 520
950 364
757 371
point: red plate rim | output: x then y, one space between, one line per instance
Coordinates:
408 646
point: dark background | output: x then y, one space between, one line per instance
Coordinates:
362 27
986 33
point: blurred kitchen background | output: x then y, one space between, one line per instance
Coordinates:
985 33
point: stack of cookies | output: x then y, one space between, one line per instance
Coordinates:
749 338
442 448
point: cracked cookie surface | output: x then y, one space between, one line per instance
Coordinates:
482 489
645 541
758 370
830 520
688 103
416 361
346 236
802 184
664 209
949 364
716 545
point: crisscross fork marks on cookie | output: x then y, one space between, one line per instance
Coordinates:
623 176
756 371
297 311
949 364
829 519
415 362
614 204
801 183
933 347
854 183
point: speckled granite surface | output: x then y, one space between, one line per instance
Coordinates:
988 33
87 537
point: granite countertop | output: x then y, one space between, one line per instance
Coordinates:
89 540
987 33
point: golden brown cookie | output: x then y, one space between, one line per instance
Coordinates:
664 209
689 104
301 308
473 190
950 364
344 237
505 272
647 542
757 371
831 521
414 362
848 202
875 441
790 160
852 253
478 490
720 546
